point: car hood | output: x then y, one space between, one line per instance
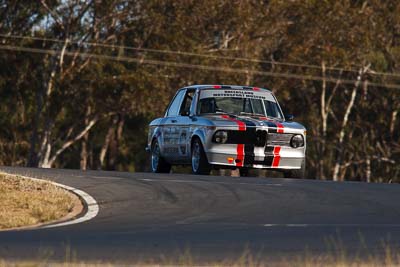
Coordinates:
258 122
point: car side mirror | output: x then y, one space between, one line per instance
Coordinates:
192 117
289 117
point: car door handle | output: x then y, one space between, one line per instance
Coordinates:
173 121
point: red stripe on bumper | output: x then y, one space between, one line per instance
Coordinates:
240 147
277 157
240 155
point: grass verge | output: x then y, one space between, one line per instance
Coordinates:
25 202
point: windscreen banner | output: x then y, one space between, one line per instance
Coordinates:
239 93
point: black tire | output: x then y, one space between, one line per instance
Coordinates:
244 172
297 173
158 163
199 160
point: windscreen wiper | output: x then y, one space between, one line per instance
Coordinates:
227 113
252 114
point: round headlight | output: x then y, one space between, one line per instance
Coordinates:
297 141
221 137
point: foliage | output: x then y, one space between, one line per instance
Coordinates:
111 71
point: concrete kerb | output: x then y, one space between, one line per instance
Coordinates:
89 203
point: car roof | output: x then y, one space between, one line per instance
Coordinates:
223 86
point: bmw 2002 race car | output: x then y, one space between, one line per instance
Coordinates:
224 126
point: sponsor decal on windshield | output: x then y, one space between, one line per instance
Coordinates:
263 95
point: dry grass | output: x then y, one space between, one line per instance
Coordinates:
310 263
387 258
25 202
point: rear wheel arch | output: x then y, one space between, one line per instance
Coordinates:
158 163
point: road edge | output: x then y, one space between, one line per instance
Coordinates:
88 202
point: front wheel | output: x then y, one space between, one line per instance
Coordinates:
158 163
297 173
200 163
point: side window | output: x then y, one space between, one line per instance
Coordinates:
272 109
257 106
247 105
187 102
176 104
253 106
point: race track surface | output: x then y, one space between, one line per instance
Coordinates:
158 217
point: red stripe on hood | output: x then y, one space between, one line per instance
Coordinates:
280 127
241 124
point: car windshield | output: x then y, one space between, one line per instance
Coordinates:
238 103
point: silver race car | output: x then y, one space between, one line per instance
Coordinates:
224 126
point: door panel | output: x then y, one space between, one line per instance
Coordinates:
171 128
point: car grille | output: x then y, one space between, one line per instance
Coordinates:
278 139
258 138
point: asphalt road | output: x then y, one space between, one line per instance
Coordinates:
160 217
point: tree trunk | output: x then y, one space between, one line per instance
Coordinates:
70 142
325 110
393 121
324 117
339 149
115 142
107 141
84 153
34 138
368 171
42 158
84 142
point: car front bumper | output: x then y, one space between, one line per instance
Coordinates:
278 157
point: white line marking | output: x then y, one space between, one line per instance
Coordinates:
92 206
332 225
104 177
199 181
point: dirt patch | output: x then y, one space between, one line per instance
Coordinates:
25 202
